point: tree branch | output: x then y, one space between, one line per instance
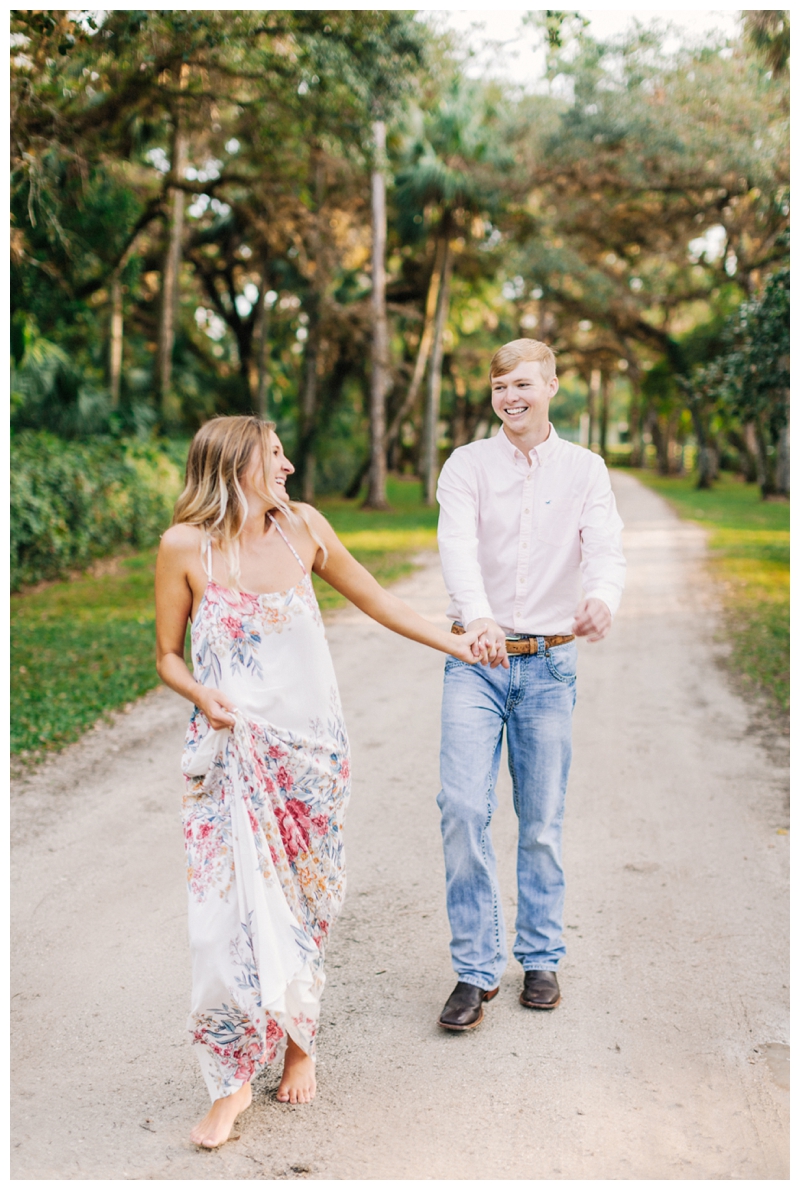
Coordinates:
153 209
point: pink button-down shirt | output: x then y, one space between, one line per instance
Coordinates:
518 536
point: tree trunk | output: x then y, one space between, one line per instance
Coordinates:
635 428
354 486
706 461
261 378
766 462
782 461
430 452
745 444
170 274
115 353
673 463
595 381
753 442
393 438
306 449
308 429
459 433
379 380
426 339
604 403
661 443
706 467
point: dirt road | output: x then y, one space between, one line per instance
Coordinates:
667 1057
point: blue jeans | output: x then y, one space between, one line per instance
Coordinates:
533 700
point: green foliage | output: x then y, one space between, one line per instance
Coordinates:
577 216
747 377
767 30
74 502
374 55
96 103
453 160
755 376
660 199
49 393
749 547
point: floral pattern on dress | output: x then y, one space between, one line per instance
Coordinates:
206 823
263 817
297 793
305 590
232 626
239 1047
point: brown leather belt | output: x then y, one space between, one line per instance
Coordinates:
524 644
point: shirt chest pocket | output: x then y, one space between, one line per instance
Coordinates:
557 520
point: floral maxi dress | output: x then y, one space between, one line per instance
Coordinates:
262 815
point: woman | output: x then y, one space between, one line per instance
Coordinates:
266 756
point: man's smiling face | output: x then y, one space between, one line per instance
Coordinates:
521 398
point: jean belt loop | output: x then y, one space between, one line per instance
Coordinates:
540 645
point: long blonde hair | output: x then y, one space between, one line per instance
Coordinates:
213 499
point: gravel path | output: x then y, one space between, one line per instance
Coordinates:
667 1057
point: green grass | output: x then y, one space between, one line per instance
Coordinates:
384 542
79 649
749 548
83 648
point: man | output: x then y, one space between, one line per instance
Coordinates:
525 517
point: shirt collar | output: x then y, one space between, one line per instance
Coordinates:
543 452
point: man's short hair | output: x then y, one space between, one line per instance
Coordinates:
518 351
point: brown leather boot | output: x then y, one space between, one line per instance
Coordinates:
464 1008
540 990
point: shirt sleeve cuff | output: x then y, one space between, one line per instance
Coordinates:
475 611
610 597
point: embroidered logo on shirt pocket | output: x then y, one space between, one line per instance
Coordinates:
557 519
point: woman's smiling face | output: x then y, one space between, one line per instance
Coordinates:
281 467
252 477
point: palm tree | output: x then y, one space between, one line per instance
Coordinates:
453 170
379 379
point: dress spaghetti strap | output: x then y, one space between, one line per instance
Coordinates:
208 562
288 542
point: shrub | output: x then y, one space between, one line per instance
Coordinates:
73 502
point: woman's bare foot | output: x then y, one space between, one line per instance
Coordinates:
298 1084
215 1128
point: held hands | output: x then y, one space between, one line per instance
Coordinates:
487 640
592 619
216 707
490 646
462 647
